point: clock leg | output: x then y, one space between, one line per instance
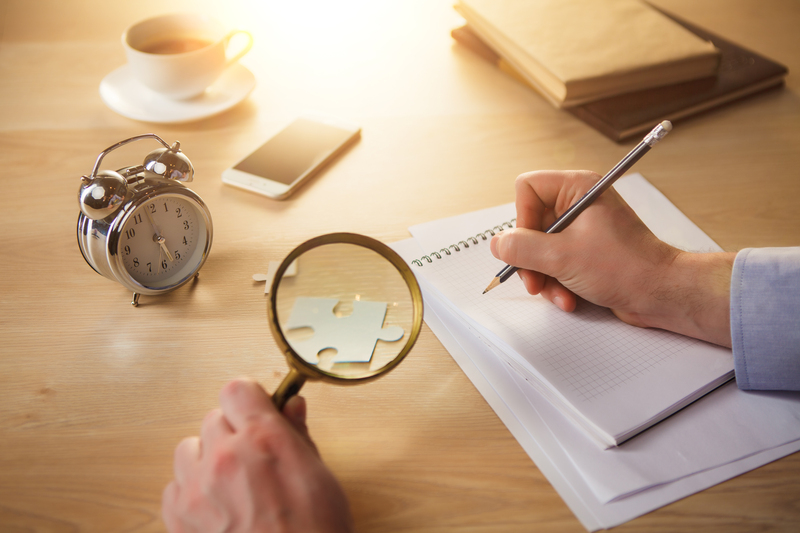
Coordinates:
135 301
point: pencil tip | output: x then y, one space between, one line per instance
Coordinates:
495 282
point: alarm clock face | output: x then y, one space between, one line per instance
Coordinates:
163 241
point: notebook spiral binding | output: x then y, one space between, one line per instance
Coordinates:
484 235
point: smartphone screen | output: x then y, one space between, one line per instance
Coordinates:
295 150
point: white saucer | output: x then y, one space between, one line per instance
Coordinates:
125 95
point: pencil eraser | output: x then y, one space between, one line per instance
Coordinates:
667 125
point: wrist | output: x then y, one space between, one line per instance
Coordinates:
692 297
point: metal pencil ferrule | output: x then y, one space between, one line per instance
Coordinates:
657 133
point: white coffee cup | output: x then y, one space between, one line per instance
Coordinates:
180 55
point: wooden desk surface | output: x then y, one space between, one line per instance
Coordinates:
95 394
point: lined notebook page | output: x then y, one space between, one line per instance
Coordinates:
617 376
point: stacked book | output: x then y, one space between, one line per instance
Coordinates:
621 65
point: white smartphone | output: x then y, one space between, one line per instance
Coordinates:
280 165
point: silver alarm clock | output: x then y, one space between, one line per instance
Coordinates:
140 226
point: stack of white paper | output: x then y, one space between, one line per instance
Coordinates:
725 433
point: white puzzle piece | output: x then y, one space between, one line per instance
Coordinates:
291 270
353 337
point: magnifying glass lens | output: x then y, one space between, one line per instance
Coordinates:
344 310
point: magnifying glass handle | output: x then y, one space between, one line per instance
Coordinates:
290 386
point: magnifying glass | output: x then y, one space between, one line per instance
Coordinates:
343 308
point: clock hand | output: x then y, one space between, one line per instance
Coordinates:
152 223
163 243
160 255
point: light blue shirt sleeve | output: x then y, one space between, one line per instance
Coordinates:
765 318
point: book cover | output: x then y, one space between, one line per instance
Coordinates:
742 72
578 51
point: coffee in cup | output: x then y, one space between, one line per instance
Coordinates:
180 55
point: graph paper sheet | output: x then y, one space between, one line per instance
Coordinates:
612 379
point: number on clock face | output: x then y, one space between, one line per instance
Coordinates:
159 239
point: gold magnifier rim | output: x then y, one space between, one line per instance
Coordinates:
311 371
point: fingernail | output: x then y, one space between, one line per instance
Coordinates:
559 301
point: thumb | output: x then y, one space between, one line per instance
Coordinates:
535 254
295 413
528 249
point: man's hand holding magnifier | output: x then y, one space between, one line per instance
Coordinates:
253 469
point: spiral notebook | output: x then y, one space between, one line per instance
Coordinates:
611 379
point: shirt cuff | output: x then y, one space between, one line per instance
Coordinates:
765 318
